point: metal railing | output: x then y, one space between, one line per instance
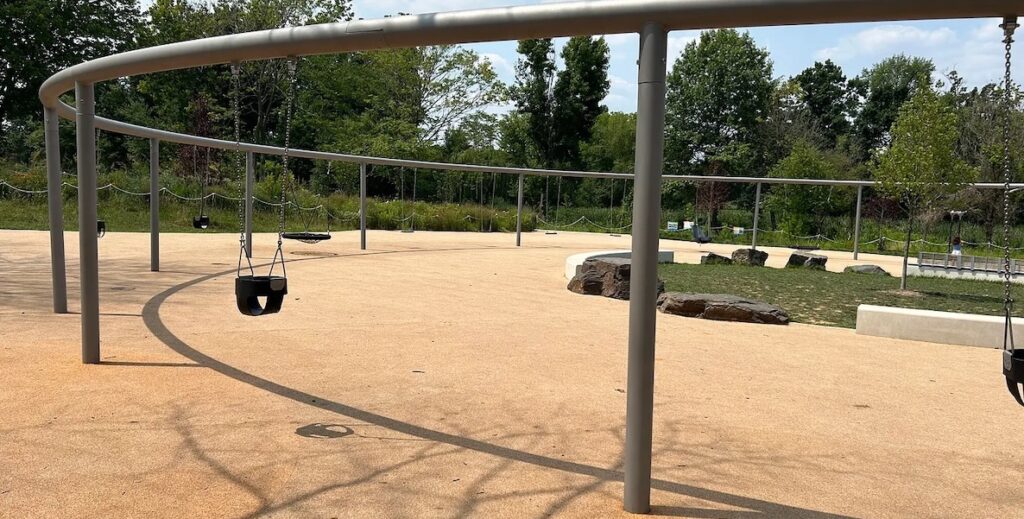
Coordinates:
971 263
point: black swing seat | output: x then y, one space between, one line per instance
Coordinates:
1013 369
248 290
699 236
201 221
306 237
101 228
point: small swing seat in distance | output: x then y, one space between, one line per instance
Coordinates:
306 237
1013 369
699 237
101 228
248 290
201 222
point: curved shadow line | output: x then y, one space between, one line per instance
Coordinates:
151 317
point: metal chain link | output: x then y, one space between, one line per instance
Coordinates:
1009 25
286 176
235 107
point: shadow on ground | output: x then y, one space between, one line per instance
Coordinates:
151 317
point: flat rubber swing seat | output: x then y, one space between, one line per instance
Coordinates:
201 222
248 290
307 237
1013 369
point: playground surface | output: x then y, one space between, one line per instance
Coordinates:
453 375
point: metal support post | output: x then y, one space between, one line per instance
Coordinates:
55 195
856 224
757 215
87 239
362 206
154 205
519 213
650 145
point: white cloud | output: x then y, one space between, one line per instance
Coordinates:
678 41
887 39
501 65
975 51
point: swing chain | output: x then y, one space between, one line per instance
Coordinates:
1009 25
236 85
286 176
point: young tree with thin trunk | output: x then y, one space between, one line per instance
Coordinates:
921 167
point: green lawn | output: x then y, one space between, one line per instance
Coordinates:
831 299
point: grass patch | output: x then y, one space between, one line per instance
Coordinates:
831 299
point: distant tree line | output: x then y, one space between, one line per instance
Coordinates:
727 113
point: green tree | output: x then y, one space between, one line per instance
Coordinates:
40 37
534 75
824 92
612 144
788 122
578 93
453 83
802 209
719 91
884 88
981 112
921 166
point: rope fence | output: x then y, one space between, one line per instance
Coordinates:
544 224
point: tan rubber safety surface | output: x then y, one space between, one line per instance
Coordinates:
452 375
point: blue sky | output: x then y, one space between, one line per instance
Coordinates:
972 47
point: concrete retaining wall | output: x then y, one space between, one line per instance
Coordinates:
926 325
574 262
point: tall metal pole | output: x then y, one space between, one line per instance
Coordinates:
87 239
856 224
55 196
250 187
757 215
519 213
154 205
362 206
650 145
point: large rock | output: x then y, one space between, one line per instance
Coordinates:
607 277
866 269
807 260
714 259
749 257
721 307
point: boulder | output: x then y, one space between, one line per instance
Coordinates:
714 259
608 277
749 257
866 269
807 260
721 307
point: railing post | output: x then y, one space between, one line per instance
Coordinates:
362 206
650 145
87 239
250 187
757 214
154 205
55 199
519 213
856 224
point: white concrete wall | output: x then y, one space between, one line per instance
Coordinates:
574 262
926 325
